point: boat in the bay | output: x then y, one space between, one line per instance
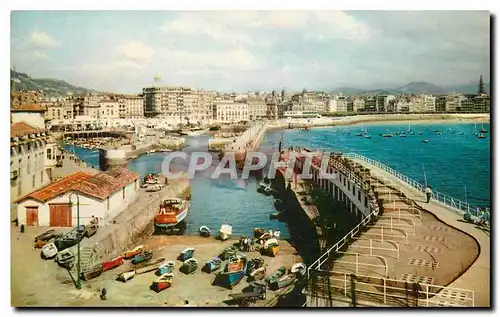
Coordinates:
299 269
49 251
172 212
163 282
166 267
142 257
481 136
425 141
278 203
204 231
276 275
387 135
225 232
187 253
234 270
126 276
92 272
283 281
483 130
131 253
271 247
108 265
212 265
189 266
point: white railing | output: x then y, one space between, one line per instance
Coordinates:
372 248
359 264
440 197
392 291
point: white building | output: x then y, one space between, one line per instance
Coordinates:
333 105
301 114
109 109
103 195
257 108
358 104
229 111
430 103
134 106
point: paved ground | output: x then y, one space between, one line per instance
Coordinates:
37 282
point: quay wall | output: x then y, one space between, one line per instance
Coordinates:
127 152
130 226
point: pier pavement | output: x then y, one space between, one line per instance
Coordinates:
477 276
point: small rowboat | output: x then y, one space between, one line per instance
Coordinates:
204 231
284 281
149 266
46 235
135 251
49 251
163 282
166 267
142 257
276 275
212 265
65 259
257 274
299 269
225 232
113 263
234 270
271 247
187 253
125 276
94 271
189 266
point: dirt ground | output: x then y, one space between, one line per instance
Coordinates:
37 282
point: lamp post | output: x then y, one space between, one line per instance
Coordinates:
78 264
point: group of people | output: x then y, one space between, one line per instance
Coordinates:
247 244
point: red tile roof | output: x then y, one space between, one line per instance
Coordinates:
28 107
100 186
22 128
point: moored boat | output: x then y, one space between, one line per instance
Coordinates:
425 141
45 236
283 281
163 282
49 251
228 252
166 267
131 253
276 215
225 232
116 262
148 266
126 276
276 275
257 274
212 265
154 188
172 211
142 257
299 269
204 231
187 253
92 272
234 270
65 259
189 266
271 247
70 239
90 230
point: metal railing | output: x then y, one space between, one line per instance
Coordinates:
442 198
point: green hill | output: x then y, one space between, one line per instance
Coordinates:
22 81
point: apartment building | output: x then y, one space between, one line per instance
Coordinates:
133 106
109 109
229 111
358 104
257 108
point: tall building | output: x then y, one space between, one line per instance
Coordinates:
228 111
481 89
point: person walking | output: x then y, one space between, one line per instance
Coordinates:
428 193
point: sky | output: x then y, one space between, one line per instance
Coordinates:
122 51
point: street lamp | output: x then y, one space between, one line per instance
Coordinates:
78 264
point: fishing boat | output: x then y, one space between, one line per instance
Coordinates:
163 282
90 230
154 188
276 275
387 135
276 215
212 265
116 262
70 239
49 251
189 266
257 274
234 270
204 231
135 251
420 133
265 183
258 232
92 272
402 135
299 269
367 136
225 232
481 136
172 212
166 267
283 281
142 257
126 276
425 141
187 253
148 266
45 236
65 259
271 247
228 252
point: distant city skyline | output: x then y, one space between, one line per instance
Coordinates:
122 51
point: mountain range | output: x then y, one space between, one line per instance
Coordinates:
22 81
414 88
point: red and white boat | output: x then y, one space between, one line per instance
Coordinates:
113 263
172 212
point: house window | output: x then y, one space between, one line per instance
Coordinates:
136 184
344 180
29 147
49 154
107 203
354 191
366 202
359 195
349 186
123 192
29 164
41 176
33 181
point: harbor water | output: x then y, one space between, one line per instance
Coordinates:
454 162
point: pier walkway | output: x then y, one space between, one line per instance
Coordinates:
477 277
412 254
